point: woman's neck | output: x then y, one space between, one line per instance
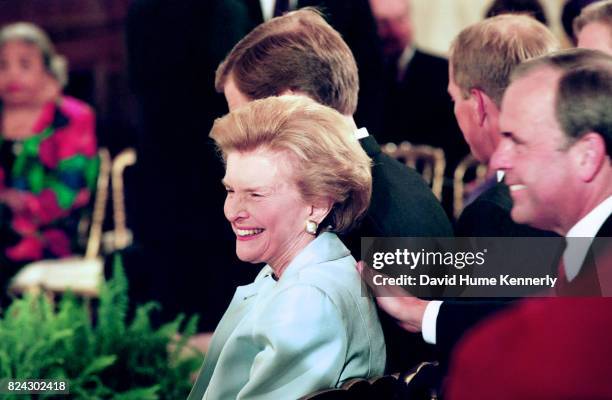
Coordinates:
18 121
281 263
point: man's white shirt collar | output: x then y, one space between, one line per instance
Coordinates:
404 60
267 8
587 227
361 133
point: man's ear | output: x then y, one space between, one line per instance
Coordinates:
320 209
589 154
480 105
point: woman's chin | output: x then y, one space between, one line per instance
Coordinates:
248 257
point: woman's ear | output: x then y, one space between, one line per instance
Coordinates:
589 153
320 210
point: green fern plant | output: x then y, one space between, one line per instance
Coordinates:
109 359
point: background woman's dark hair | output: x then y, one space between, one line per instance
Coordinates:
532 8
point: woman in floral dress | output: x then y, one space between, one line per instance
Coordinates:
48 162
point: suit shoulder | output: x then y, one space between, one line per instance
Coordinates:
402 203
489 216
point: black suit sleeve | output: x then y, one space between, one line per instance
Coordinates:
455 318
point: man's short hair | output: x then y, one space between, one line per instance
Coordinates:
584 93
600 12
299 51
483 55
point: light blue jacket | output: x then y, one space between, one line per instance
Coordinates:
311 330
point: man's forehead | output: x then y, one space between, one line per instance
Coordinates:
538 85
529 101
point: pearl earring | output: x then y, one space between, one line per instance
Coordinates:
311 227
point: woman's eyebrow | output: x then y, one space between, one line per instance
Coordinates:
248 189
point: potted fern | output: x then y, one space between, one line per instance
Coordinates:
96 349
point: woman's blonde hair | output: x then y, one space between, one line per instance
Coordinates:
330 161
27 32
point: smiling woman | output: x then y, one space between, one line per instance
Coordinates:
295 175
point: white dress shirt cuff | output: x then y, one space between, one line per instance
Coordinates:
430 317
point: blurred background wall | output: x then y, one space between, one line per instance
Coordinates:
437 22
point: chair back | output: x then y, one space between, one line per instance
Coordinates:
99 209
476 172
122 237
83 274
427 160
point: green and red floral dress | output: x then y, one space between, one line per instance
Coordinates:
53 174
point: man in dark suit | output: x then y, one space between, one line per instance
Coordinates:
417 107
300 53
481 59
557 155
482 56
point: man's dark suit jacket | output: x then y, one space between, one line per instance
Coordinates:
402 205
354 20
419 109
548 348
487 216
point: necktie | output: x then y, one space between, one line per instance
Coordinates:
281 7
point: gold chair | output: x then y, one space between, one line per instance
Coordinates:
121 237
382 387
428 161
461 188
422 381
83 274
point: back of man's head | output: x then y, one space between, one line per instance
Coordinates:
484 54
583 101
300 52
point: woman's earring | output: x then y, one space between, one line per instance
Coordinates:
311 227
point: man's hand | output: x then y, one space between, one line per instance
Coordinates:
395 301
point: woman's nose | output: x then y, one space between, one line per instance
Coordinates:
235 208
